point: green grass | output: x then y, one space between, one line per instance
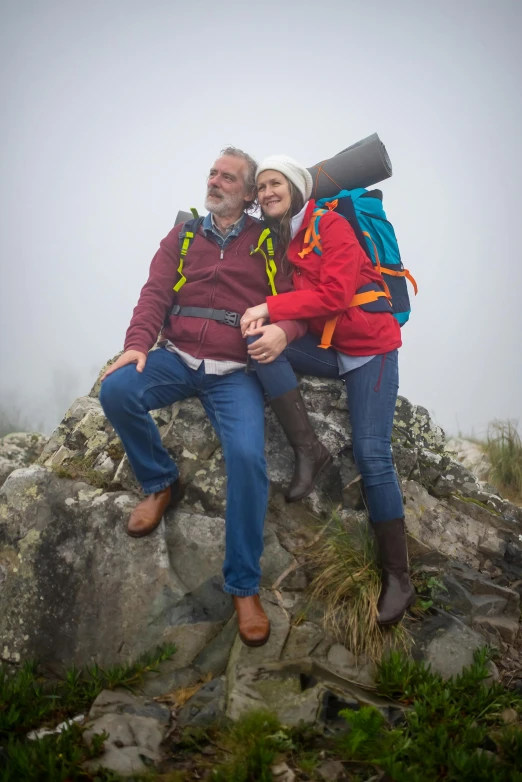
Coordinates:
504 449
28 701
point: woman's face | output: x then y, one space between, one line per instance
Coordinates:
273 192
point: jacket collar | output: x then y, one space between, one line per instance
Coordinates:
306 220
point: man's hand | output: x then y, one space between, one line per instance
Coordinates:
129 357
272 342
253 314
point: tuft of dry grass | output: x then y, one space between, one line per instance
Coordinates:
178 698
504 448
347 580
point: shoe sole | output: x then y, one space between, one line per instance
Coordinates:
173 502
255 643
401 617
323 467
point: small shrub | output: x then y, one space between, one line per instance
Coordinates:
504 448
28 701
253 743
447 727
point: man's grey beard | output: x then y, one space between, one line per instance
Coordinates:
224 207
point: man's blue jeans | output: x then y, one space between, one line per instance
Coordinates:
372 394
234 404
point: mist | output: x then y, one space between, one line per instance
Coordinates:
114 110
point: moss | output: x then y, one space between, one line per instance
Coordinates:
472 501
115 451
80 468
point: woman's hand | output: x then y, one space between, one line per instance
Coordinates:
270 344
253 314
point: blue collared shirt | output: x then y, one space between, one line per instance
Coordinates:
212 231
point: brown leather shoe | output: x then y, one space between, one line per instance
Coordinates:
254 625
147 515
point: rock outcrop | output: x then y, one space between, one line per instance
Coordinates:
19 449
74 588
471 455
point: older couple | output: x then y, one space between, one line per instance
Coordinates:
238 290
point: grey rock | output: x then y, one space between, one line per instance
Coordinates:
445 643
282 773
346 665
405 457
124 702
330 771
412 424
205 707
19 449
135 727
77 588
213 659
302 640
497 627
126 761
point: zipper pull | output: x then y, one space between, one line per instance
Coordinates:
221 254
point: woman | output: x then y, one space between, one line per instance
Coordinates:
365 355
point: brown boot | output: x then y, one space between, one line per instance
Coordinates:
147 515
254 625
397 593
311 457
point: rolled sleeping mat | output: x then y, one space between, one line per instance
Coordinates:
361 165
182 217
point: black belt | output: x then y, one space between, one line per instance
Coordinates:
221 316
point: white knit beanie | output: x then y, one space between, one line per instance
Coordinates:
295 172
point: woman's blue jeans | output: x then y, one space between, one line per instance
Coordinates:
372 393
235 406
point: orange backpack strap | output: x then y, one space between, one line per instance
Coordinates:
326 338
312 238
367 297
402 273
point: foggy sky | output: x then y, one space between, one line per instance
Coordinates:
112 111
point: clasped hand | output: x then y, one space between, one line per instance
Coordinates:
272 340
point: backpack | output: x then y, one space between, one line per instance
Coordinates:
364 211
187 234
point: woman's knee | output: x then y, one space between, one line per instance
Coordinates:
373 455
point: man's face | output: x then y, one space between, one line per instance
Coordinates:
226 190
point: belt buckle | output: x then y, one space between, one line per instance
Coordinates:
231 319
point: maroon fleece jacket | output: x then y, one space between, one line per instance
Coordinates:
231 280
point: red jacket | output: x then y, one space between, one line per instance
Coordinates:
233 280
325 285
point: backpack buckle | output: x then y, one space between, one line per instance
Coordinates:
231 319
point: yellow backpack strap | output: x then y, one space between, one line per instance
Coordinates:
184 247
270 265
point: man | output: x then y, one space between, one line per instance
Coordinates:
200 355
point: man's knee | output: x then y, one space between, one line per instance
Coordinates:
247 454
114 390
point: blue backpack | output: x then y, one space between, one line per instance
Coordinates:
364 211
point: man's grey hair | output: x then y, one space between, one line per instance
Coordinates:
250 176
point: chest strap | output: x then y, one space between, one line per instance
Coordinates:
221 316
